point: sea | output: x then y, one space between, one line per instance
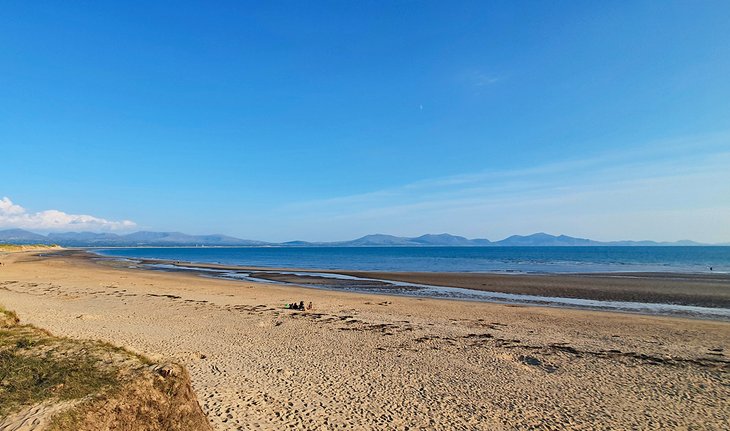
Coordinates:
518 260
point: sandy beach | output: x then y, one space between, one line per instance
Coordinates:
358 361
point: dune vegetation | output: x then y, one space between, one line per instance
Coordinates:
13 248
65 384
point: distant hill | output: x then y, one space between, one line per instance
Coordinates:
179 239
443 239
543 239
82 238
92 239
452 240
20 236
377 240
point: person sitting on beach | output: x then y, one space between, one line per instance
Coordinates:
309 306
301 305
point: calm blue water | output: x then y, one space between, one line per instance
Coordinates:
454 259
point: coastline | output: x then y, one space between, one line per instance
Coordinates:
384 362
681 294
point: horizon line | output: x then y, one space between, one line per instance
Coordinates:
47 234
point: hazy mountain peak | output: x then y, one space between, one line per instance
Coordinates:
162 239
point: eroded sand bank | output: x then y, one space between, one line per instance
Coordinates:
374 362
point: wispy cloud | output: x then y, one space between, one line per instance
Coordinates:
662 190
15 216
479 78
476 80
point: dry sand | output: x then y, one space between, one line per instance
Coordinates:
376 362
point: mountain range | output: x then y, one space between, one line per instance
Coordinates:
178 239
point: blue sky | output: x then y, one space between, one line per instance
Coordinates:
331 120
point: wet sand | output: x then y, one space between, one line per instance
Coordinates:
359 361
703 290
683 289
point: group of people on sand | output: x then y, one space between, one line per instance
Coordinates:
300 306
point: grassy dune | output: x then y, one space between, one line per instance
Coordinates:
68 385
13 248
35 367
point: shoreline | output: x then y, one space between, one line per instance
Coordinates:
652 293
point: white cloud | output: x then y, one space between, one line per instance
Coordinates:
7 207
15 216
